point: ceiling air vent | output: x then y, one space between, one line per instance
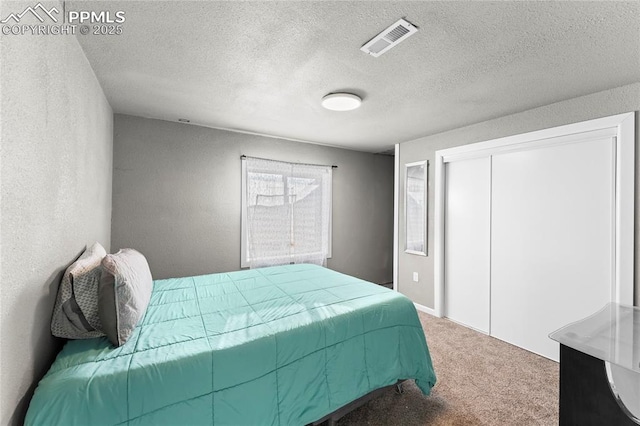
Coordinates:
389 38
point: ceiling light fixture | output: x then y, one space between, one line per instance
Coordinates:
341 101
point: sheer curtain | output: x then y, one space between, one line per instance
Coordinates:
288 212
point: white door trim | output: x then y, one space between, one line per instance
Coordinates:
621 126
396 218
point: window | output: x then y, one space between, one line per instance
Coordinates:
286 213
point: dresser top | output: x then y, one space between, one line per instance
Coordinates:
611 334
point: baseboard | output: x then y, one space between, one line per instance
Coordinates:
425 309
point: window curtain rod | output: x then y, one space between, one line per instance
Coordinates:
242 157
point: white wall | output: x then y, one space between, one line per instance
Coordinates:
176 198
55 188
601 104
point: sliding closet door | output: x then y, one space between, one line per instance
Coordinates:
467 247
552 240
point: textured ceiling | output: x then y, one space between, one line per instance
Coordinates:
264 66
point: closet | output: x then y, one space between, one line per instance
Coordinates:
535 231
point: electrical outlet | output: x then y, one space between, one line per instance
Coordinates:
415 277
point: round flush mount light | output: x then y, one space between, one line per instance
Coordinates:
341 101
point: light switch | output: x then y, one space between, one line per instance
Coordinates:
415 277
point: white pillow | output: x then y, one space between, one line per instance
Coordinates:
125 291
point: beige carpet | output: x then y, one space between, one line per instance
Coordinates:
481 381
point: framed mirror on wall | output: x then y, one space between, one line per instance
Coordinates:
415 207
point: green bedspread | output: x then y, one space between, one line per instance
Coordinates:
285 345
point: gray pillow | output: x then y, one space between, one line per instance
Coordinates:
75 313
125 290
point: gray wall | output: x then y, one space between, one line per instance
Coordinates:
601 104
176 198
55 187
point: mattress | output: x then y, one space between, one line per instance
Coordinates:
283 345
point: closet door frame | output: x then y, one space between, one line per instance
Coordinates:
621 126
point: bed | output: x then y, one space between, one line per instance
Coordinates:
284 345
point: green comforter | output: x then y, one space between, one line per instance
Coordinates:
274 346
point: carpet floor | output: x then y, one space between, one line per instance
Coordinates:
480 381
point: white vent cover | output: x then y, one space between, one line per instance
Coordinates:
389 38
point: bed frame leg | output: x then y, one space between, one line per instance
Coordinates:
331 419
